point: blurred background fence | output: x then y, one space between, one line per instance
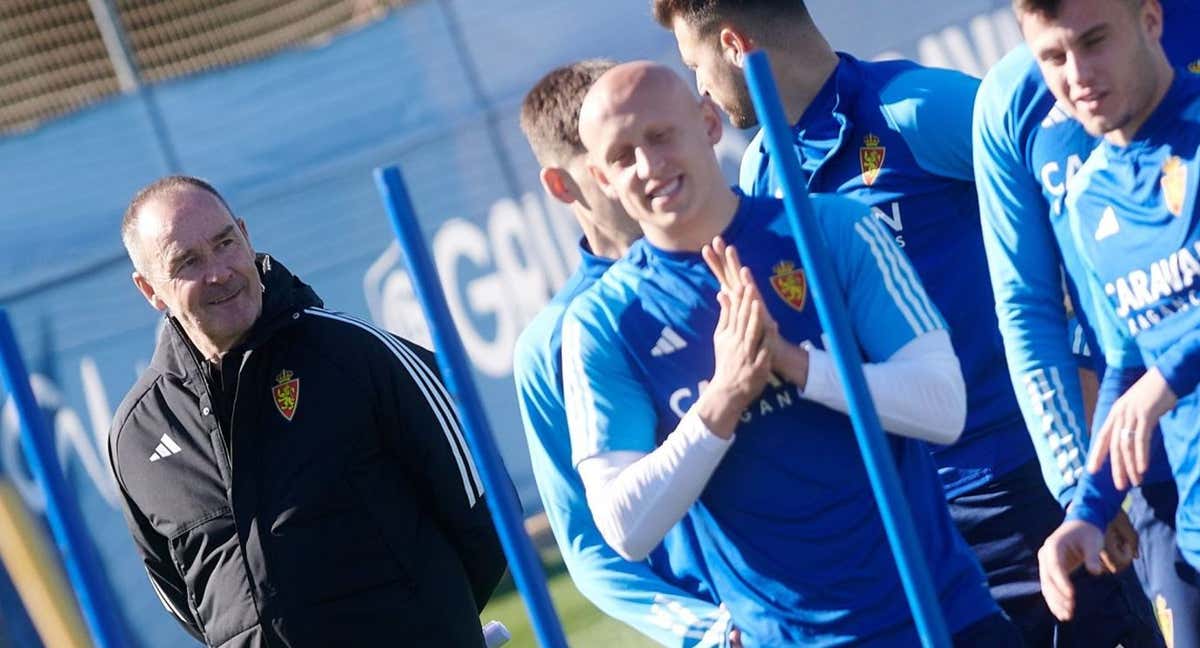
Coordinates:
286 106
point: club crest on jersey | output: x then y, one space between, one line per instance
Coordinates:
870 157
1174 184
1194 67
286 393
789 283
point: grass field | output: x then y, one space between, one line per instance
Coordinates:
584 625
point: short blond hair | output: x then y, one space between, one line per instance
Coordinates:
550 111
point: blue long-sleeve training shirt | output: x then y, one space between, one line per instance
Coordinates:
1025 150
1135 222
787 526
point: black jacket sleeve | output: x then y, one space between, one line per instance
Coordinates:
156 557
429 431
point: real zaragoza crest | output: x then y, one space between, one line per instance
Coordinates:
287 394
870 158
789 283
1174 184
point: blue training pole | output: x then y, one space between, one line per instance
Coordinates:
452 358
881 470
62 509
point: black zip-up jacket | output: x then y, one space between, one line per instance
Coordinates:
325 497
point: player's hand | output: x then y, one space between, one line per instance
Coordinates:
1072 544
1120 544
788 360
743 362
1125 436
723 262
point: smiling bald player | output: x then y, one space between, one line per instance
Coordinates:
666 424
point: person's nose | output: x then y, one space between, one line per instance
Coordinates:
648 162
218 272
1081 74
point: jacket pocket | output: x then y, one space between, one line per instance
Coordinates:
209 557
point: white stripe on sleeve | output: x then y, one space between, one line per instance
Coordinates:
1056 421
435 395
577 393
889 282
922 301
905 274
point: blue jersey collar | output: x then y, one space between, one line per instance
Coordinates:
590 264
840 90
824 106
826 117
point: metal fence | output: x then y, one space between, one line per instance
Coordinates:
55 58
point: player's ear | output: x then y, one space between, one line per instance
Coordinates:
242 226
559 184
245 232
735 44
710 114
148 291
1151 16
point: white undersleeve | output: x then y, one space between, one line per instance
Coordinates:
636 497
918 391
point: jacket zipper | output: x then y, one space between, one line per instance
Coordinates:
212 402
233 409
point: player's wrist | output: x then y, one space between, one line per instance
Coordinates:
1162 398
720 407
791 362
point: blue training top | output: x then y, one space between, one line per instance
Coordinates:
1026 149
787 526
1136 225
661 602
897 136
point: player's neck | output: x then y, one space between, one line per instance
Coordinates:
606 244
1122 136
800 74
211 351
609 240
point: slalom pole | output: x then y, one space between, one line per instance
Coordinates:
452 358
881 469
62 509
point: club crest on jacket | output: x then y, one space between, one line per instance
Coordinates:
287 394
870 158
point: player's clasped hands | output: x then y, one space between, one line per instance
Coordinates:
743 358
788 360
